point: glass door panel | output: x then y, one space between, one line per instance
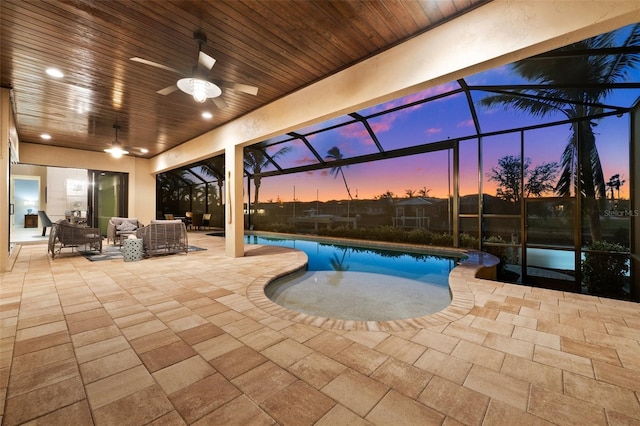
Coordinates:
550 235
108 194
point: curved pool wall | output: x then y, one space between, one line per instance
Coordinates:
475 267
351 282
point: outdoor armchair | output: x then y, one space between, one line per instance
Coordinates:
164 237
67 235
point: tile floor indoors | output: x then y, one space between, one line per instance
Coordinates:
176 340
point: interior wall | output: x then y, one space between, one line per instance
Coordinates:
66 190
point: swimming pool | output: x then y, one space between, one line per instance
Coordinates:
361 283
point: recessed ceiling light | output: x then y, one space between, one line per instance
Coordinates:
54 72
45 136
207 115
144 150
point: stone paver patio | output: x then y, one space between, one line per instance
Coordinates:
190 339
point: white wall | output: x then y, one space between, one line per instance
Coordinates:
60 196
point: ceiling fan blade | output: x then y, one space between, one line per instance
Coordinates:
155 64
239 87
167 90
205 61
220 103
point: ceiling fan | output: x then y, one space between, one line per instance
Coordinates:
117 150
198 83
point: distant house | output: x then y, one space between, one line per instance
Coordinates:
413 212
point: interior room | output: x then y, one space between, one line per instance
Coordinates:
254 113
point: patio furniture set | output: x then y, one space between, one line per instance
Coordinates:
156 238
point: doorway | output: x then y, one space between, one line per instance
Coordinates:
24 201
25 196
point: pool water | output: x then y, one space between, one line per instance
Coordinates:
358 283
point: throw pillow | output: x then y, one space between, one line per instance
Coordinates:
126 226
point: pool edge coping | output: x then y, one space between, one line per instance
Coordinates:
462 298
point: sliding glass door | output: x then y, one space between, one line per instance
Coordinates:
108 195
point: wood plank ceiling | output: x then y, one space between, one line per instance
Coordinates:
278 46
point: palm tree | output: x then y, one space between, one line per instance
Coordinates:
410 193
559 74
386 196
257 159
334 154
424 192
214 168
217 166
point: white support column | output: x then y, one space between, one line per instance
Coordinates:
234 215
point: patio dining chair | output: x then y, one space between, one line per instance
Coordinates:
196 221
45 221
206 220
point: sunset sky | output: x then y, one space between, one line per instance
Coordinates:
446 118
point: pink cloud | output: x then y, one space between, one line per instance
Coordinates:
427 93
358 131
306 160
385 122
354 131
383 125
466 123
433 130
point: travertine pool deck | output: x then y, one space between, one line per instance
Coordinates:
189 339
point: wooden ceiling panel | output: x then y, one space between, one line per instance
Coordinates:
278 46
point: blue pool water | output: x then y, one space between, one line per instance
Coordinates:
358 283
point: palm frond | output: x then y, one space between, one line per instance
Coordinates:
537 107
621 64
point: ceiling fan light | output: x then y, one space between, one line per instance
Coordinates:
115 153
116 150
199 88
